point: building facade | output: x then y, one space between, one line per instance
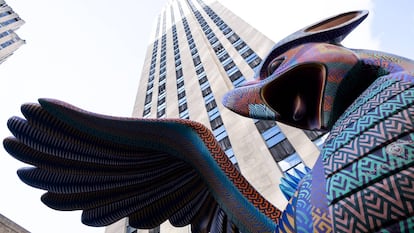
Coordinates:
9 22
8 226
200 51
9 42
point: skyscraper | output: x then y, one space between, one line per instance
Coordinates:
200 51
9 42
7 225
9 22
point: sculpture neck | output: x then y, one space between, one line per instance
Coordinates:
385 61
371 65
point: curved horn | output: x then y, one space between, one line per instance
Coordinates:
331 30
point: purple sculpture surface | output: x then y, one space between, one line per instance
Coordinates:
151 170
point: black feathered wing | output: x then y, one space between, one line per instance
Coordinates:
147 170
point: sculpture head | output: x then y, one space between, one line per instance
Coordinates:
298 80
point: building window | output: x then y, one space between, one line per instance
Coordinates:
180 84
181 94
247 53
229 66
179 73
215 123
240 46
146 111
255 62
196 60
289 162
263 125
161 100
182 107
161 113
213 40
206 91
218 48
200 70
225 143
148 98
282 150
236 75
233 38
131 229
224 57
211 105
161 89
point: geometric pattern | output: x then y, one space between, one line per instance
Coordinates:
304 206
379 205
290 182
370 168
234 175
380 91
369 159
405 226
321 221
381 124
261 110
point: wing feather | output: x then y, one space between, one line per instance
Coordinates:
149 170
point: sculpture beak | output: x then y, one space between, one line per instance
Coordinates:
293 97
247 101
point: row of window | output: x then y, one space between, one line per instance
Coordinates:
182 100
227 62
9 21
233 38
161 105
279 147
5 13
12 40
150 84
252 59
213 112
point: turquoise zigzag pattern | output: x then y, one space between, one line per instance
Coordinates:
372 98
379 205
361 136
369 159
370 169
365 142
379 92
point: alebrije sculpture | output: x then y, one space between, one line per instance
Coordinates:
151 170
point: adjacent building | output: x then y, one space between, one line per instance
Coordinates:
200 51
9 40
8 226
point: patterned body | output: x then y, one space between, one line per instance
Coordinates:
364 178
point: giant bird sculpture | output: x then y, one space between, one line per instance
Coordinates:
153 170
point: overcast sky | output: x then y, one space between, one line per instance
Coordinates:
90 52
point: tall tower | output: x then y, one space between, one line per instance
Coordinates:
200 51
9 22
7 225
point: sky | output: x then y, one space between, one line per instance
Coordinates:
90 53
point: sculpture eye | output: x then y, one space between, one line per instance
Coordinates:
272 67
